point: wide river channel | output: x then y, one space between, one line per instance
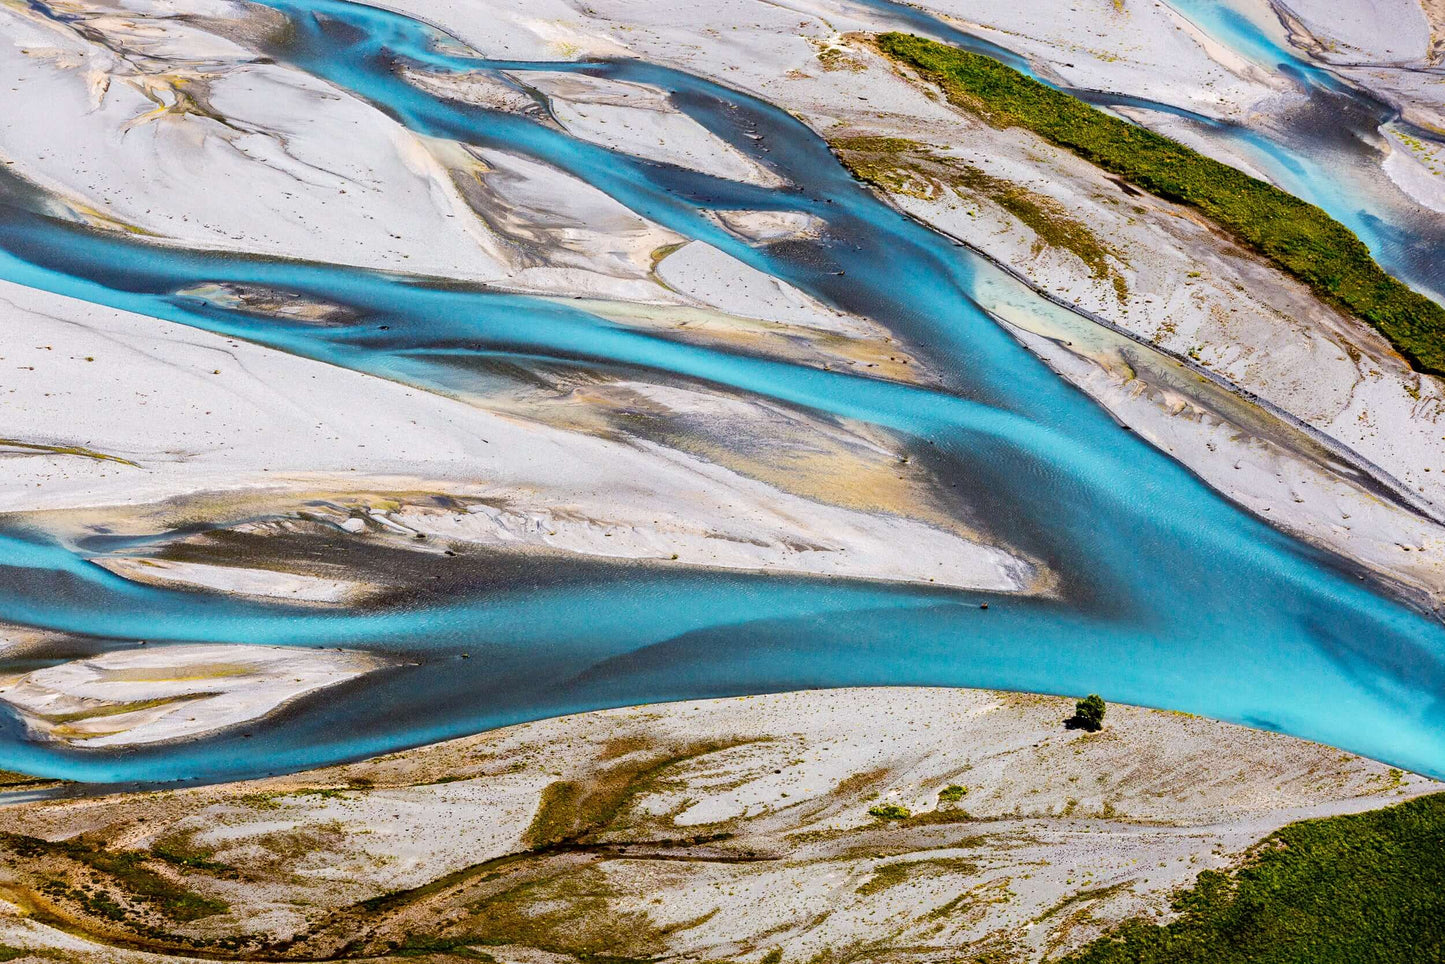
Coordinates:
1169 595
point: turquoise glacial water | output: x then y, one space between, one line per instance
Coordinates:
1169 595
1324 149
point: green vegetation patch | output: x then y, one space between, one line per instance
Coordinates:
1088 714
902 166
1365 887
181 850
952 793
1299 238
127 869
555 905
85 453
892 874
889 811
572 811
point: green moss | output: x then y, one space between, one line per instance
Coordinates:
1364 887
890 811
8 953
1299 238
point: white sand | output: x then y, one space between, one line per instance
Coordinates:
86 126
1380 31
156 693
1418 167
199 412
292 587
637 119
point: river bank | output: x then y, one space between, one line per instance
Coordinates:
658 830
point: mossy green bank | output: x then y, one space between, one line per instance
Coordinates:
1363 887
1296 236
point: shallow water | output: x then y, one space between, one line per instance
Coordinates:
1326 148
1169 595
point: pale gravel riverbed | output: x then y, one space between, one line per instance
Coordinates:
726 828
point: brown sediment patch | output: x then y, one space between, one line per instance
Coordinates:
902 166
901 871
75 450
834 56
572 812
275 302
859 348
837 461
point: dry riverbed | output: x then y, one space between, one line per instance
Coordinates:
723 829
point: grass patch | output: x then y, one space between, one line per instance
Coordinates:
423 946
886 876
1297 237
127 869
1364 887
1081 897
571 811
902 166
567 910
893 874
325 793
181 850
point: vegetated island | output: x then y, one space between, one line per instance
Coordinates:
1298 237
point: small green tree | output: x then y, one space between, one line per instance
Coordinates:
1088 714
